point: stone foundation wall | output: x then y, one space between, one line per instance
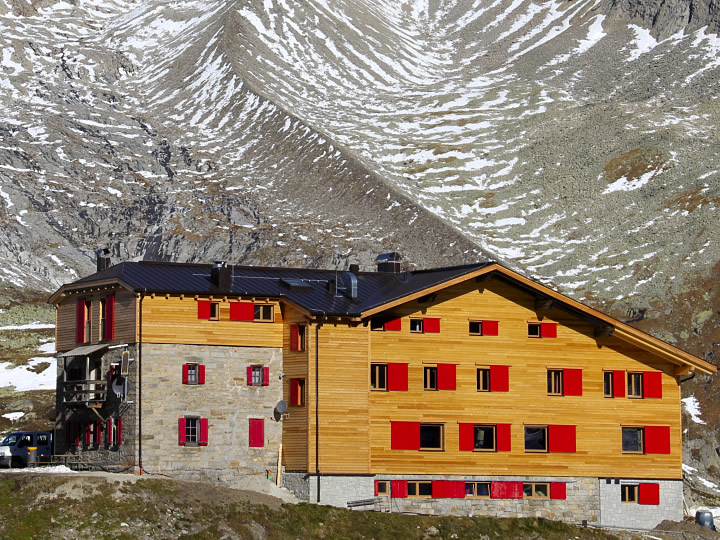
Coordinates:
615 513
298 483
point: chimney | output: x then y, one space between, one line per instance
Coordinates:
221 275
355 269
388 262
102 259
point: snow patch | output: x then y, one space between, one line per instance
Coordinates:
692 406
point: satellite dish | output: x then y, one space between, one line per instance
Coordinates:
281 407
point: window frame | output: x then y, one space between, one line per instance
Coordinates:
441 428
536 330
375 370
474 489
555 382
608 384
493 429
629 493
257 369
103 318
193 373
419 324
533 490
190 438
641 439
479 327
414 485
545 429
383 492
299 382
214 311
481 378
259 315
430 378
633 378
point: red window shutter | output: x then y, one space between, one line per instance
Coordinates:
377 491
185 376
98 432
649 494
88 433
108 431
618 384
446 376
257 432
499 379
572 382
548 330
490 328
439 489
294 337
467 437
398 489
397 377
657 439
201 374
561 438
181 431
431 326
506 490
203 309
242 311
450 489
266 376
456 489
76 433
405 435
203 431
294 392
395 325
80 321
652 384
109 317
118 431
249 375
558 490
502 434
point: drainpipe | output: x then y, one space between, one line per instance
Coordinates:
140 321
317 403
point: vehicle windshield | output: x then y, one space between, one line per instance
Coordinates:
9 440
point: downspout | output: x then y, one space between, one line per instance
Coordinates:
140 321
317 403
686 379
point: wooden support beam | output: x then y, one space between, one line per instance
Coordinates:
683 370
604 331
543 304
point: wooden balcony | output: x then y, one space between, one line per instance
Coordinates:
87 393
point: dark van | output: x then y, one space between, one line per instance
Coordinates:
15 448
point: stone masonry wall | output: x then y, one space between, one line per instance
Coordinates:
225 400
615 513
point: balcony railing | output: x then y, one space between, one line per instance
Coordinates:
89 392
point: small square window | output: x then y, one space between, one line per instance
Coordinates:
635 385
536 439
431 437
214 311
632 440
483 379
263 313
378 376
383 488
536 490
477 489
475 328
629 493
377 324
430 378
416 325
608 383
534 330
555 382
484 438
419 489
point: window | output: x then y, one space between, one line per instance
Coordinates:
419 489
297 337
258 376
382 488
483 328
425 326
635 385
484 438
193 374
536 438
192 431
483 379
297 392
430 378
208 310
629 493
380 324
632 440
431 437
263 313
82 329
608 384
378 376
256 436
214 311
113 431
536 490
416 325
477 489
555 382
43 439
103 317
107 318
542 330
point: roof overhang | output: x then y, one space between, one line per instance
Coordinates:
85 350
86 287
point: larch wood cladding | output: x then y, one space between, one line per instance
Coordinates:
125 318
295 426
175 320
343 399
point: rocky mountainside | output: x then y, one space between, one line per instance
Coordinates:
573 140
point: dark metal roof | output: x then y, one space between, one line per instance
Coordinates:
309 289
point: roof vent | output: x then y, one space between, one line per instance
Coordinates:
388 262
220 275
102 259
350 284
